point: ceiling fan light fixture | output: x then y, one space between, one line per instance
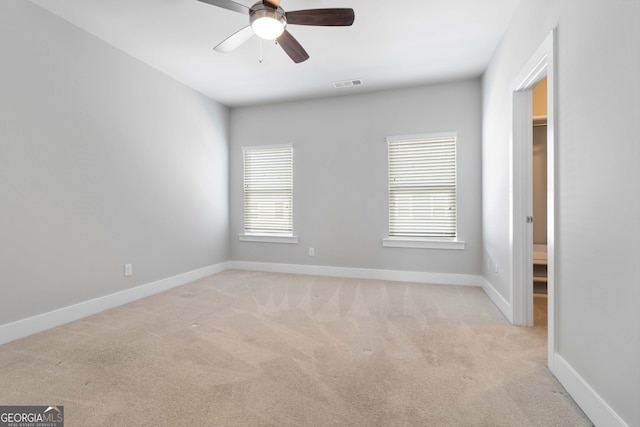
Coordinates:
267 23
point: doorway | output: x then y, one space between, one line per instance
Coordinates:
539 179
541 65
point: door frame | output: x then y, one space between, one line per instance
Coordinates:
540 65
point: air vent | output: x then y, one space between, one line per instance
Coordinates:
347 83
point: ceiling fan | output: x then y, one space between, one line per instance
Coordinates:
268 21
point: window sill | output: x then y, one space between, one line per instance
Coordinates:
395 242
268 238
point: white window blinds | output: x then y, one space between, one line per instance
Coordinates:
422 186
268 189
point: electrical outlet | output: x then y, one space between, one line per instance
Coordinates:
128 269
312 252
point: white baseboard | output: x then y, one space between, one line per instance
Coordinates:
593 405
503 305
33 325
360 273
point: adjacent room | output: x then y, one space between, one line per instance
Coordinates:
382 214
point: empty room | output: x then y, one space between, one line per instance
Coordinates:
305 213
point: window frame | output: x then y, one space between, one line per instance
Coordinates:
423 242
263 236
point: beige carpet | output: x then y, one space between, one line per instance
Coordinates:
258 349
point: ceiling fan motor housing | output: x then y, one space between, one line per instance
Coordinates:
267 22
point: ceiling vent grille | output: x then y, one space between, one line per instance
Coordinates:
347 83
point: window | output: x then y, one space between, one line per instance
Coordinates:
268 194
422 191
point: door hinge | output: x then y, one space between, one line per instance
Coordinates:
529 220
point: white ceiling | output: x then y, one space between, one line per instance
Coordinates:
391 44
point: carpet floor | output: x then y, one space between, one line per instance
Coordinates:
261 349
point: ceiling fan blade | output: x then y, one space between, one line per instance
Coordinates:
228 4
273 3
292 48
235 40
337 17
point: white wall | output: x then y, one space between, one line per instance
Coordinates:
598 190
340 175
103 161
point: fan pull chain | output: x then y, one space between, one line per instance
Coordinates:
260 59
